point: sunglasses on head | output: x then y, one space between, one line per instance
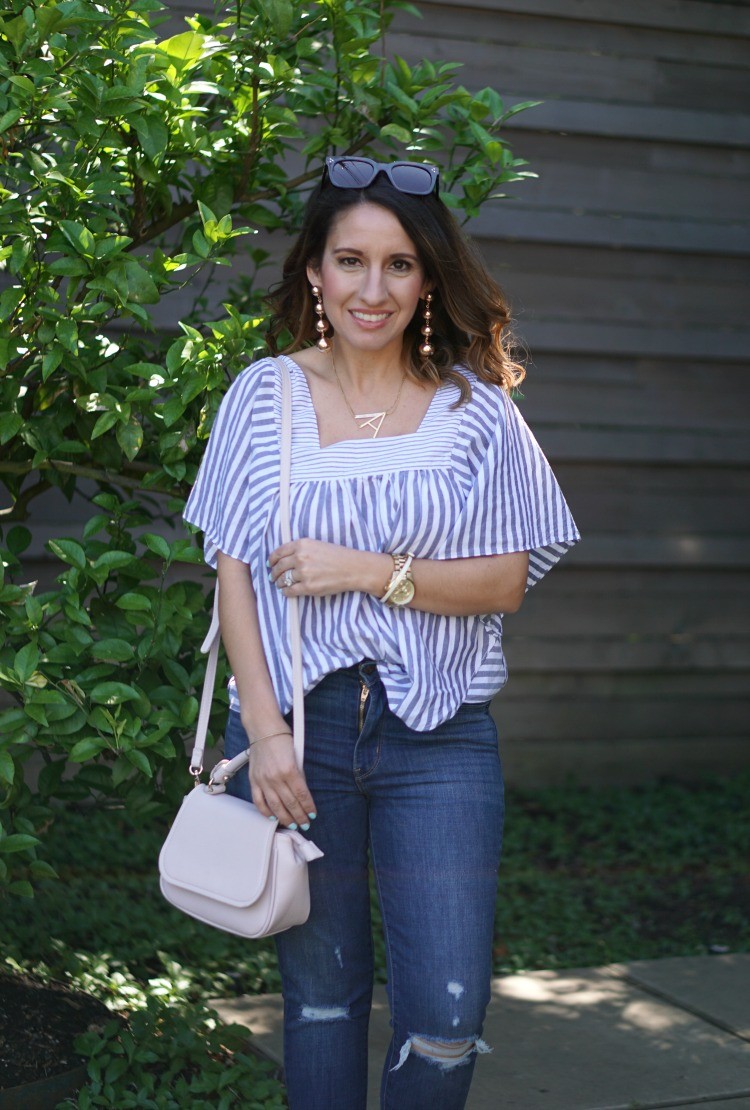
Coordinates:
357 173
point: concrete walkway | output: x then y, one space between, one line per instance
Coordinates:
657 1033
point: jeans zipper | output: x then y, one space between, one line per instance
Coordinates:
364 694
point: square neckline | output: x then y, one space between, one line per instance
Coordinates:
369 439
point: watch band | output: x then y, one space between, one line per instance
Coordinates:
401 567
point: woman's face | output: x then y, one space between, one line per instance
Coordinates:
370 277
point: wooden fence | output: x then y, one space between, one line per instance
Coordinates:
626 262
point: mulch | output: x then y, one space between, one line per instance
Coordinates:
39 1023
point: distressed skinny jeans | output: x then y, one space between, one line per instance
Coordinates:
426 810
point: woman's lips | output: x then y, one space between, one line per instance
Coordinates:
369 319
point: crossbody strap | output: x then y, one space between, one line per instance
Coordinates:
212 640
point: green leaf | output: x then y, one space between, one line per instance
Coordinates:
106 421
10 425
7 768
157 544
153 135
112 648
18 842
113 693
281 14
69 551
22 888
9 118
393 131
139 760
26 661
41 870
183 50
130 438
134 603
86 749
18 539
114 560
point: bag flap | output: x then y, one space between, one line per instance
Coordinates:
218 846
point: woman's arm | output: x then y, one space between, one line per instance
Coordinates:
278 785
449 587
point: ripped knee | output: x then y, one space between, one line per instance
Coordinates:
444 1054
324 1013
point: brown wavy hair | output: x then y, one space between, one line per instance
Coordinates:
470 315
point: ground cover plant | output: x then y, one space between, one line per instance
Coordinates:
589 877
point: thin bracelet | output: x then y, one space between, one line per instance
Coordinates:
268 737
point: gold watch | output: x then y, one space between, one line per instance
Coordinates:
400 588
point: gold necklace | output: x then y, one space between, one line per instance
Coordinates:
372 420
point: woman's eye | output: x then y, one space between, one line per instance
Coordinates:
401 265
349 262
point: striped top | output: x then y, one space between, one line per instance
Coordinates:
469 481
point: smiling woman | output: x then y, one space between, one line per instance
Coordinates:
422 509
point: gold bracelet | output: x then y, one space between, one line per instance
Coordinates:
268 736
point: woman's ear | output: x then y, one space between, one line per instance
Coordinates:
313 275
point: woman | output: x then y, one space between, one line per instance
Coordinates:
423 509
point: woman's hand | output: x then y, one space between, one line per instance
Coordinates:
278 785
319 569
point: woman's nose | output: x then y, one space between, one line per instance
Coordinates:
373 289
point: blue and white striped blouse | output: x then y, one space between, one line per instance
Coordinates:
470 481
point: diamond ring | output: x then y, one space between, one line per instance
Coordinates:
288 579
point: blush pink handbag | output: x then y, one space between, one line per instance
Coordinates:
223 862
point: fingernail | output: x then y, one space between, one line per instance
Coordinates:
312 816
305 827
268 562
271 817
293 826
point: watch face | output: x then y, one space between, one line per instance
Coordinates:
403 593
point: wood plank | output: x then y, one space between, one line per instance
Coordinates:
646 550
587 39
720 18
622 177
633 121
715 345
607 73
541 655
607 692
575 603
663 445
513 219
638 393
583 717
536 764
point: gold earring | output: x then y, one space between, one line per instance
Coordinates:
426 349
321 325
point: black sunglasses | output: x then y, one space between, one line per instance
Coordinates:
357 173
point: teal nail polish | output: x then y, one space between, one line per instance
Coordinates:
312 816
293 826
271 817
305 827
268 562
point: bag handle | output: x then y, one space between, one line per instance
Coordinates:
212 640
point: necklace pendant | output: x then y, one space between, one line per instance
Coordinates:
372 420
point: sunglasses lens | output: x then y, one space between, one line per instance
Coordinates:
412 179
350 173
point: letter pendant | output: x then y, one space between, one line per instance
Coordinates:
371 420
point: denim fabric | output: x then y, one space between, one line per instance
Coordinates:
426 809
